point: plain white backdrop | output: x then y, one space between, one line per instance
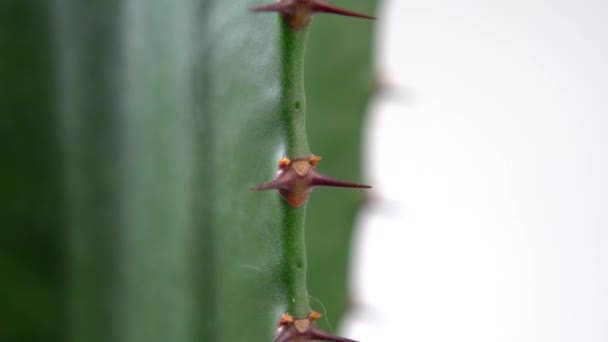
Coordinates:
488 152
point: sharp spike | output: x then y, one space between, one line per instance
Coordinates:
320 6
275 184
314 333
296 178
297 13
320 180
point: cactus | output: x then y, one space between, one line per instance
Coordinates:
135 129
297 174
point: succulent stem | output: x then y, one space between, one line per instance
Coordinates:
297 175
293 117
294 258
293 98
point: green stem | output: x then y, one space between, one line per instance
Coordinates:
293 116
294 259
293 98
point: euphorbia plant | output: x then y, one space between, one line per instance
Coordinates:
297 173
133 130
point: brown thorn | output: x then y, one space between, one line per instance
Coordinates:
320 6
295 179
297 13
317 334
321 180
277 183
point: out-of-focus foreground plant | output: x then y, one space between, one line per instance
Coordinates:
132 130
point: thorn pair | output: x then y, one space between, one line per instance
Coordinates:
296 178
297 13
303 329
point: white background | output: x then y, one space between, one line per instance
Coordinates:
488 152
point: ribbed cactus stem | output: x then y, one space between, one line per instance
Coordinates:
293 117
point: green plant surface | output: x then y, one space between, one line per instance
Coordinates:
293 116
339 83
168 114
32 284
331 69
130 217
